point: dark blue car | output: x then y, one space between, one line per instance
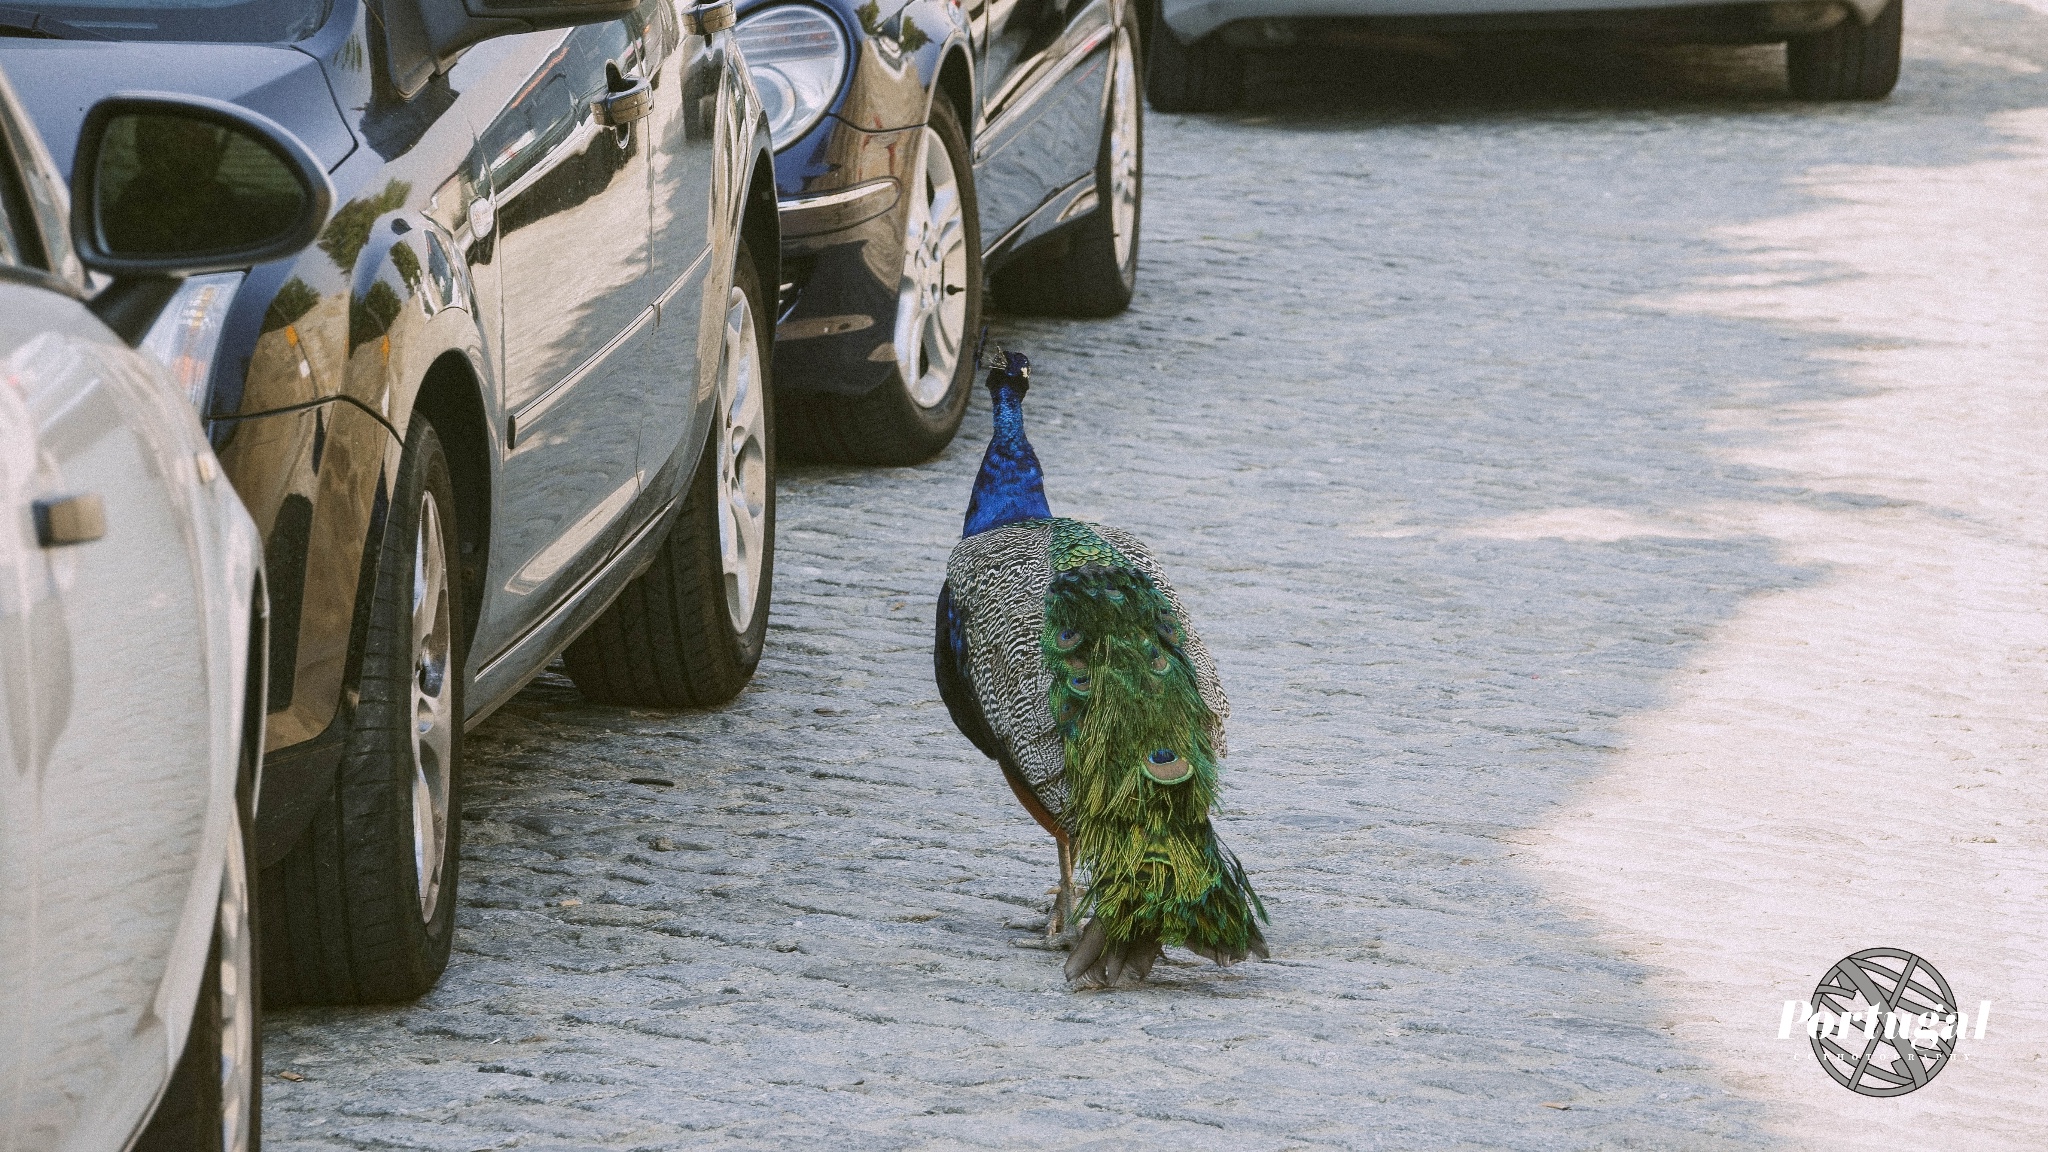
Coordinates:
512 403
921 146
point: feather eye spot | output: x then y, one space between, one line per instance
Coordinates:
1080 684
1159 665
1165 766
1067 640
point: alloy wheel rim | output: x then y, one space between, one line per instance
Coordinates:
433 735
742 463
931 304
237 1002
1123 152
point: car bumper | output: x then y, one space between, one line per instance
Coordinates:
1292 21
842 257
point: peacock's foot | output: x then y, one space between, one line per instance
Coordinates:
1059 922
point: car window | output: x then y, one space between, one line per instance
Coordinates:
211 21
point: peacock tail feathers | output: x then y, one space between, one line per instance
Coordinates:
1140 755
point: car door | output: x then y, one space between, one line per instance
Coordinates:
685 71
571 203
106 773
1043 66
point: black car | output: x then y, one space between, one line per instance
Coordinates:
512 404
920 146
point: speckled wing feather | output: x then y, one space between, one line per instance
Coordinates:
996 582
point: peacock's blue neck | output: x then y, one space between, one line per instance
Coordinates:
1010 486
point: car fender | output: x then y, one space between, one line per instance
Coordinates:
906 52
410 304
889 87
737 123
320 413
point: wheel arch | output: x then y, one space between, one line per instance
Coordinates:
956 84
761 227
255 706
1148 17
451 398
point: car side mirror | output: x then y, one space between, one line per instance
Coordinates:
168 186
178 186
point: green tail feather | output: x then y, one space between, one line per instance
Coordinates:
1140 767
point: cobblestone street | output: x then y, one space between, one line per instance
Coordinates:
1573 455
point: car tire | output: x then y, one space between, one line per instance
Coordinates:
688 632
913 415
1092 269
1206 76
362 909
1851 61
214 1102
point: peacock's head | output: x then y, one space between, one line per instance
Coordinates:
1007 371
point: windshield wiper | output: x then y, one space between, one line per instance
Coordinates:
21 22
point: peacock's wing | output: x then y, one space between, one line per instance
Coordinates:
1207 682
995 593
950 669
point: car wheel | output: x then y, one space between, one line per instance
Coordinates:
1093 269
1851 61
1206 76
362 909
214 1100
913 415
688 632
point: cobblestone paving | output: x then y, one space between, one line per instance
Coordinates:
1373 314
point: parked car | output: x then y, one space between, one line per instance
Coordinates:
920 147
1835 49
131 636
513 403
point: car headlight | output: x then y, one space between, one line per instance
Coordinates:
797 56
187 334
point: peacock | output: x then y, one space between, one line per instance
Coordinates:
1064 655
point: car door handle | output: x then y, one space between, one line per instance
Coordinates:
70 520
708 19
627 98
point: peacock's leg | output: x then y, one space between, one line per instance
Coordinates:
1063 897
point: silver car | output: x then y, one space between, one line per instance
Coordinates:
1835 49
131 639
